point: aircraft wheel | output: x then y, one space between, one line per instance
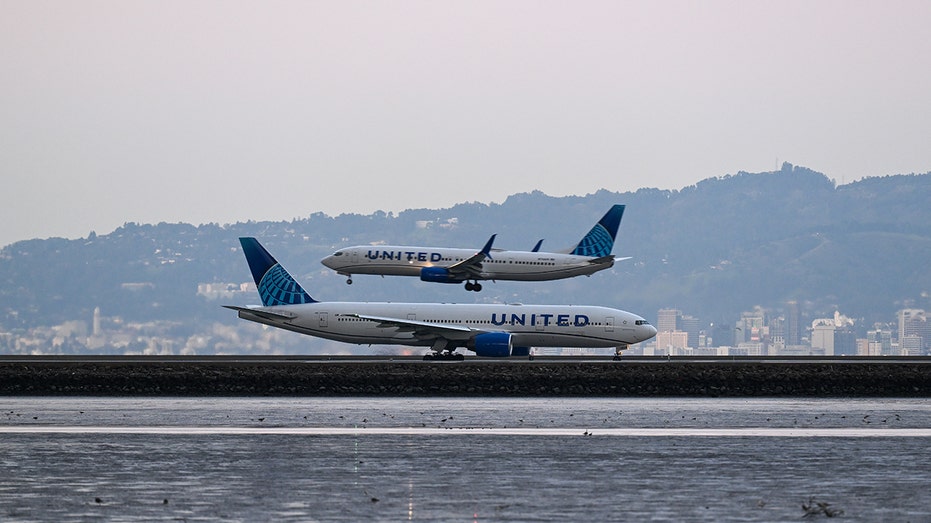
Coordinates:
428 357
469 286
349 281
477 287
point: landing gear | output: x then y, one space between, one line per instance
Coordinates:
441 352
617 352
348 277
470 286
348 281
445 355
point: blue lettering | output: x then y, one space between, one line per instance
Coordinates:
372 256
435 256
517 319
385 255
533 319
494 319
422 256
546 319
581 320
410 255
562 320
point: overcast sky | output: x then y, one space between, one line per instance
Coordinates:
121 111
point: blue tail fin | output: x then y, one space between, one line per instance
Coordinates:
276 286
600 240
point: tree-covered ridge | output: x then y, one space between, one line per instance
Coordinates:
712 250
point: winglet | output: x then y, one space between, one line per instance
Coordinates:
276 286
600 240
536 248
486 250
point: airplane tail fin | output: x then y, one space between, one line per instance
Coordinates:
276 286
600 240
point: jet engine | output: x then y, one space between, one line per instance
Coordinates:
520 351
492 345
437 275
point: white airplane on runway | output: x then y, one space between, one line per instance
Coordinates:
447 265
488 330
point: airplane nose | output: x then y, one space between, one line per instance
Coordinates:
328 261
647 332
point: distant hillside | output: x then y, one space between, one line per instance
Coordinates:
712 250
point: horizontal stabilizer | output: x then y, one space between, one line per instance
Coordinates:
602 259
263 313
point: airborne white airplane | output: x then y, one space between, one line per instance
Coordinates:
447 265
488 330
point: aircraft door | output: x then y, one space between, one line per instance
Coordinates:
609 324
321 319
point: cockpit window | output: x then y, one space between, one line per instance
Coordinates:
338 253
641 322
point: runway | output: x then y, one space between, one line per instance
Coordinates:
411 376
297 359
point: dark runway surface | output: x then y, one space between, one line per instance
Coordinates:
402 376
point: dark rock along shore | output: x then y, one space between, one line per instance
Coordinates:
399 378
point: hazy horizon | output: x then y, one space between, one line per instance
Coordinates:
209 111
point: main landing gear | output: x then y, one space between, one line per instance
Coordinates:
617 352
441 352
446 355
473 286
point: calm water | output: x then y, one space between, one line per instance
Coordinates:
287 459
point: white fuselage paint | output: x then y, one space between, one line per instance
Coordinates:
392 260
529 325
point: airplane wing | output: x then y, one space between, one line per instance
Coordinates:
471 268
421 329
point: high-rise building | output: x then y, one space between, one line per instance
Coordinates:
822 336
690 325
845 341
752 327
667 320
793 324
913 322
883 339
911 345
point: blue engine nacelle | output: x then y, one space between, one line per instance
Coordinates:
492 345
437 275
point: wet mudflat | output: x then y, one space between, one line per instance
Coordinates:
573 458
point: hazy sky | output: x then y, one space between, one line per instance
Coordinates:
193 111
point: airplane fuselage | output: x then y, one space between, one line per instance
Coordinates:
528 325
392 260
